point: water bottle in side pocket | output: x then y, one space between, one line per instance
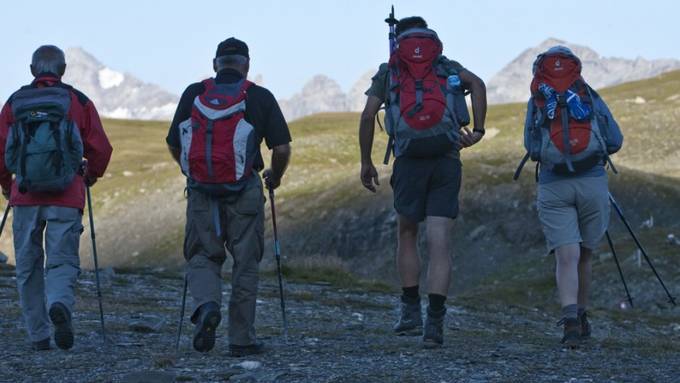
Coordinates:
457 93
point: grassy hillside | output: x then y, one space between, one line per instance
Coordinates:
326 213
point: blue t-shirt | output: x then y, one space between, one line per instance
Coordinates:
547 176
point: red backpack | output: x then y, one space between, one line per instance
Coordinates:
426 106
218 144
562 72
568 128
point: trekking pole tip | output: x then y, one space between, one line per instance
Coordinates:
391 20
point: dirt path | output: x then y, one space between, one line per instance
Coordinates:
337 335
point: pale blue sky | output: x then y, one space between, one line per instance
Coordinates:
171 43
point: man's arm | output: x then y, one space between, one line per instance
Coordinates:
5 176
175 153
369 175
182 113
279 164
267 116
478 94
97 148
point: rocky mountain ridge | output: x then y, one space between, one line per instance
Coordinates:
323 94
510 84
121 95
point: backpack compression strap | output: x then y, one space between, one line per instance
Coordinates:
564 115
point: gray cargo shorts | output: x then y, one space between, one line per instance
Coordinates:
574 210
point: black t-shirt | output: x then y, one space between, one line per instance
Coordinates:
262 111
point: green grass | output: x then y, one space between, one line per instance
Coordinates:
140 163
326 152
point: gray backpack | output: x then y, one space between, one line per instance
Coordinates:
44 148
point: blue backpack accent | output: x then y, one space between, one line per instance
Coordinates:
44 148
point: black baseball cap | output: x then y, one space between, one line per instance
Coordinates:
232 46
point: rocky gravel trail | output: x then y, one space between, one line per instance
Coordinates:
336 335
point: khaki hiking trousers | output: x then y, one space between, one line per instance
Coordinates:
215 225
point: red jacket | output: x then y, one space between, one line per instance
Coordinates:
96 147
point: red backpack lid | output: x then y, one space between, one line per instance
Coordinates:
222 96
417 51
558 67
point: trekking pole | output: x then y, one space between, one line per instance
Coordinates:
618 266
4 218
96 264
392 37
639 245
277 254
181 313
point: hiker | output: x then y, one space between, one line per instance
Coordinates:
570 132
215 137
426 135
46 128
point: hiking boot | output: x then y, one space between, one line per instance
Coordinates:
41 345
63 331
585 326
572 332
433 333
209 318
410 320
236 351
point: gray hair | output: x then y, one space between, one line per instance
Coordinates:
230 61
48 59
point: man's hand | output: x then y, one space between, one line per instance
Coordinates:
468 138
6 193
270 180
89 180
369 176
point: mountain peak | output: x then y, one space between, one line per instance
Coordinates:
320 94
80 56
551 42
117 94
323 94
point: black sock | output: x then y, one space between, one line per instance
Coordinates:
410 294
436 302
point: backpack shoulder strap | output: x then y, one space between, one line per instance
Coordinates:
445 67
247 84
208 84
80 96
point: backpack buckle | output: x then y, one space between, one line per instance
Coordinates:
562 100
